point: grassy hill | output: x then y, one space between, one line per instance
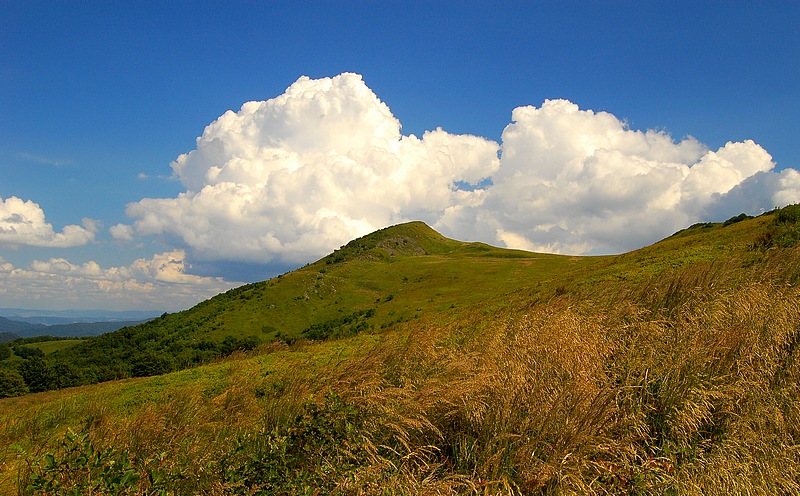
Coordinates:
441 367
388 277
398 272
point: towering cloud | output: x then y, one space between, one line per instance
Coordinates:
289 179
22 223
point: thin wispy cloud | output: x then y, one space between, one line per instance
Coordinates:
39 159
142 176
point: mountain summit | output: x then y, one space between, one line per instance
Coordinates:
409 239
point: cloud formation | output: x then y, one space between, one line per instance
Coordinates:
287 179
159 283
291 178
22 223
578 181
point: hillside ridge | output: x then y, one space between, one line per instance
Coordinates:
440 367
378 281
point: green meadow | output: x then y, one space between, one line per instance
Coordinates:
408 363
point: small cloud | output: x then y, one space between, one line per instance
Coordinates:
22 223
143 176
91 225
122 232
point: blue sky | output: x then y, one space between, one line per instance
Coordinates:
98 99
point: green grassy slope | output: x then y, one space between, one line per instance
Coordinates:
399 272
674 369
387 277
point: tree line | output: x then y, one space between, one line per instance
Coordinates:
157 347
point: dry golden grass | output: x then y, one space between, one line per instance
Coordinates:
684 383
567 397
564 399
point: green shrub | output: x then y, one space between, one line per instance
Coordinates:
789 215
27 352
151 363
323 446
232 343
784 231
79 467
11 383
737 218
348 325
38 375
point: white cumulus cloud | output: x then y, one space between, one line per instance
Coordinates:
289 179
158 283
576 181
122 232
22 223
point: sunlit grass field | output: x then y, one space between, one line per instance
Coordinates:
48 347
669 370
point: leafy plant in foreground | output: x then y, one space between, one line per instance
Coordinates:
79 468
312 453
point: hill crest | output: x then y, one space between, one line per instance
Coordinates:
408 239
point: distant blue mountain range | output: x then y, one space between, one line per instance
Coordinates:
49 317
21 323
